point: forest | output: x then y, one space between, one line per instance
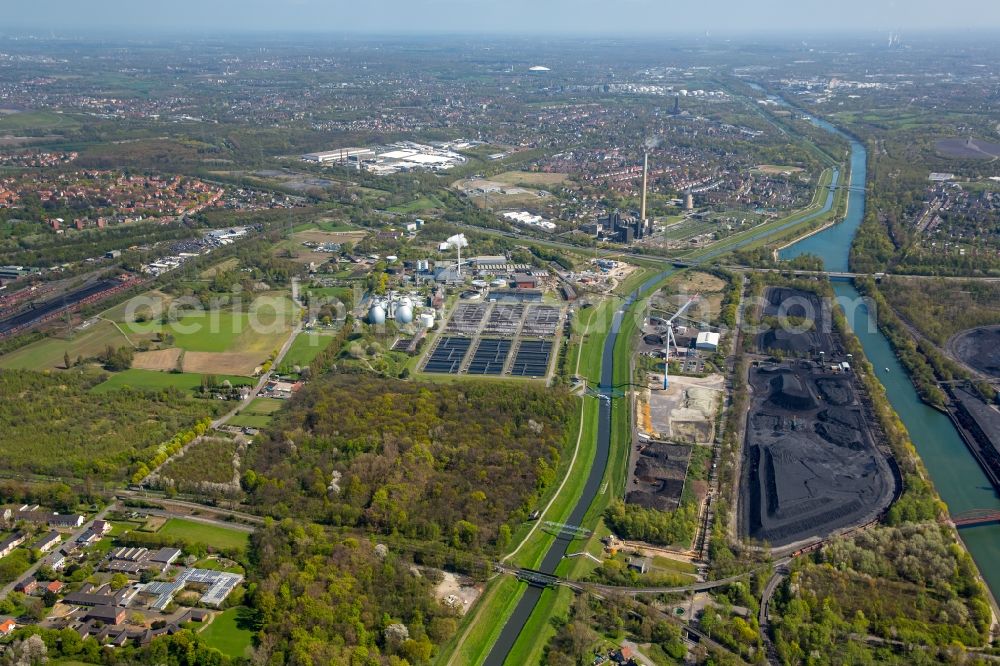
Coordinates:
941 308
324 598
928 595
457 464
57 427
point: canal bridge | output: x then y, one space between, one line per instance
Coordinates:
976 517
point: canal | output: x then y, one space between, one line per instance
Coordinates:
554 555
955 473
957 476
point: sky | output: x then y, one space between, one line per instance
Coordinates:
551 17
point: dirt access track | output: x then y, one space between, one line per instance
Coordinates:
810 464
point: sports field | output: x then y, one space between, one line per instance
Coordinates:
226 634
530 178
212 536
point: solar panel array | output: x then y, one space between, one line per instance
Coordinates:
448 355
220 583
490 357
532 359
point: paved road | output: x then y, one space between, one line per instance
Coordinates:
194 506
762 617
7 589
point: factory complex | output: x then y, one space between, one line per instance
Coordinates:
396 157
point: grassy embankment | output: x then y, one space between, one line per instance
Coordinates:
555 602
482 625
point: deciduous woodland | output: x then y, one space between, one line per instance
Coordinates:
458 463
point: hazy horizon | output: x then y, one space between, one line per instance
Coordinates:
551 17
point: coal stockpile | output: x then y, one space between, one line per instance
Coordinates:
809 322
532 358
658 476
789 392
810 465
448 355
979 425
50 308
979 348
490 357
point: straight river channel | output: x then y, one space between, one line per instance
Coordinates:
955 473
957 476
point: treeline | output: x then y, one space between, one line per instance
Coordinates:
666 528
912 354
45 248
458 464
184 648
941 308
326 598
164 451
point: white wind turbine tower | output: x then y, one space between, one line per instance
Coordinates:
671 340
458 241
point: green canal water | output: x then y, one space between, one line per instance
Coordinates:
955 473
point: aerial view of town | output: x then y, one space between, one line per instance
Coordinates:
441 333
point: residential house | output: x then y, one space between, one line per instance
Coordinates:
8 545
47 542
26 586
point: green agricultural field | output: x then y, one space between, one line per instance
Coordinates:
263 329
305 348
50 352
227 633
156 380
213 536
257 414
36 120
423 203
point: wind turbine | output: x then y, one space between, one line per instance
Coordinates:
458 241
671 340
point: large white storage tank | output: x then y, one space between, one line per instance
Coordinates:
427 319
404 313
376 314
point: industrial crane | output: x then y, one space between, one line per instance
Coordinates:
671 340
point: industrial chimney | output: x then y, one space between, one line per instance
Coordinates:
645 174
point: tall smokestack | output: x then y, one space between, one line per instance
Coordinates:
645 173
